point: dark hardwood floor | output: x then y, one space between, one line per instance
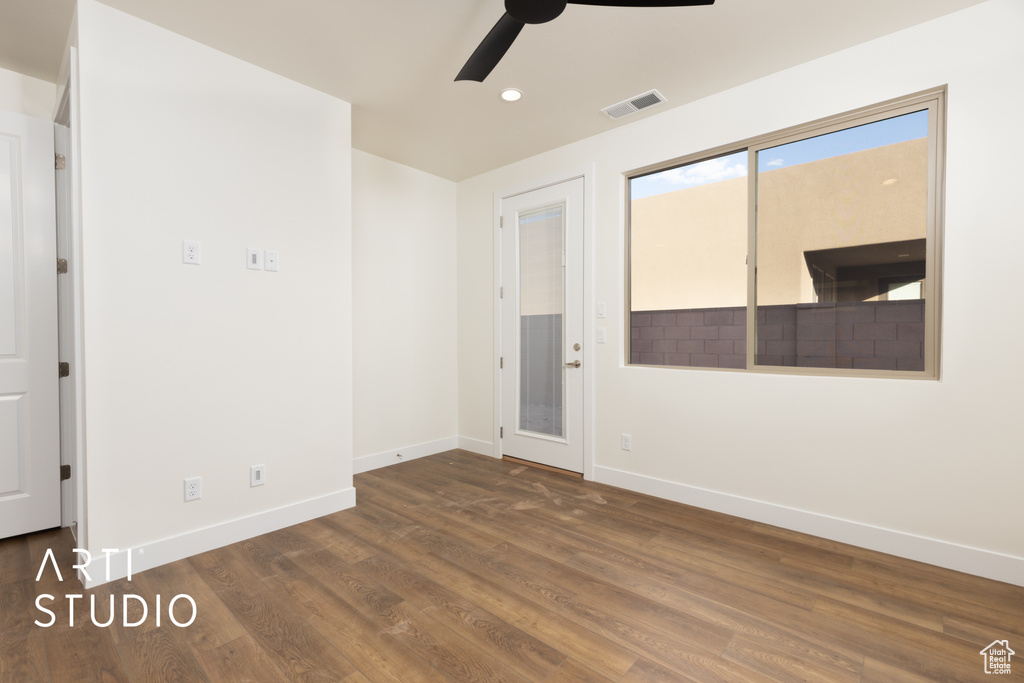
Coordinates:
459 567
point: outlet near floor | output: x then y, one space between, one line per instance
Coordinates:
191 252
256 475
193 488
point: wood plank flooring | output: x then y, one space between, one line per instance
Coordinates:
458 567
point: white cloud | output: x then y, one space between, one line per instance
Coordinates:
709 171
775 162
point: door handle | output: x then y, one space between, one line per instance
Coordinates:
574 364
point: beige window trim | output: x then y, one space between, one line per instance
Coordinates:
934 100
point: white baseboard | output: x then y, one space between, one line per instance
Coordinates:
976 561
176 548
476 446
371 462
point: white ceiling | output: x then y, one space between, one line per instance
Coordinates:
395 60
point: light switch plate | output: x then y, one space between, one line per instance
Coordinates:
253 258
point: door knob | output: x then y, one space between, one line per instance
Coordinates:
574 364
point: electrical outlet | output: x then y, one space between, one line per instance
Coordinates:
257 475
193 488
190 252
627 442
271 261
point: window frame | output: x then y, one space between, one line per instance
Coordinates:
933 100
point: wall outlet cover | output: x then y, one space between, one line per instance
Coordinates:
193 489
271 261
191 252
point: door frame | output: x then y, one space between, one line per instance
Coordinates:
587 173
70 327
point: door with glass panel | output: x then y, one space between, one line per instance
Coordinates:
542 326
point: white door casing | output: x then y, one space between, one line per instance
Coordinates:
29 409
542 325
65 329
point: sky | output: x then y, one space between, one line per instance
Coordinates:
858 138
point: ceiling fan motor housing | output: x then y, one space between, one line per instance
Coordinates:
534 11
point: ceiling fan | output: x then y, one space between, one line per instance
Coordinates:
519 13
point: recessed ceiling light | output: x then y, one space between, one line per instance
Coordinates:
890 181
511 94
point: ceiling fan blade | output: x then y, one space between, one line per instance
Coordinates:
643 3
490 51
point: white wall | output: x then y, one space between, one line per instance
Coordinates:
404 311
205 370
939 463
23 94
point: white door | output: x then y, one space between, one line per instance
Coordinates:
542 325
29 411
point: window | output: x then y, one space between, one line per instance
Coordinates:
689 275
823 240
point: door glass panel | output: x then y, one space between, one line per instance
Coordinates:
541 305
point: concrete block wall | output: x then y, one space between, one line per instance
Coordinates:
881 335
698 337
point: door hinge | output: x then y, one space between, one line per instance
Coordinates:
59 162
501 221
501 363
65 472
501 292
501 432
63 370
62 266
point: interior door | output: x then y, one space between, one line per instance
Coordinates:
542 325
29 410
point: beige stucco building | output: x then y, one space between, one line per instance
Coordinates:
845 228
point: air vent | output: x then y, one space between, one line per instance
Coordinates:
634 104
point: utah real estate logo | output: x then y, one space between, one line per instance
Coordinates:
997 657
